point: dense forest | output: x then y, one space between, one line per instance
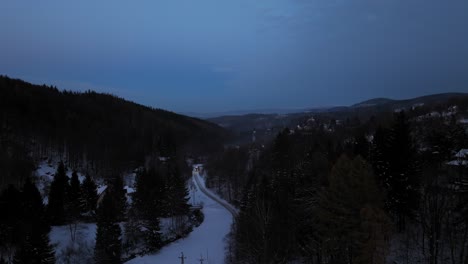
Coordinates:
388 185
101 133
385 188
137 156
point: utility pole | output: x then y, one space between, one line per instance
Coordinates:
201 259
182 258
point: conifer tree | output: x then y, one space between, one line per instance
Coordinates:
73 206
57 196
34 247
108 235
89 196
33 208
148 203
178 193
119 196
10 226
403 179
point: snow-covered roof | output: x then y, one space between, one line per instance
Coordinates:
458 163
463 153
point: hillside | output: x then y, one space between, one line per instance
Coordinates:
268 125
101 132
427 99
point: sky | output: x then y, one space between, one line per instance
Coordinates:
219 55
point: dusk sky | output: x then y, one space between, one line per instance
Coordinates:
219 55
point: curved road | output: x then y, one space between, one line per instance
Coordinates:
208 193
208 241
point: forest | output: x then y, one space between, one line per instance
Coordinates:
390 187
101 133
92 144
341 187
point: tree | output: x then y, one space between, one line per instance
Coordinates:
108 235
119 195
57 196
89 196
73 205
149 198
74 193
34 246
178 193
403 179
36 249
340 214
10 224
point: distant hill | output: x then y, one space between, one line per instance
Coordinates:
372 102
246 112
392 103
100 131
267 125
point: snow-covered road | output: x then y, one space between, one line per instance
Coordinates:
208 241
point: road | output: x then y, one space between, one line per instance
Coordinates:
201 186
208 241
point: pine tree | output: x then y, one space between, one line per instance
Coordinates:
10 224
148 203
108 243
33 208
108 235
403 179
57 196
119 195
89 196
379 159
74 198
177 193
34 247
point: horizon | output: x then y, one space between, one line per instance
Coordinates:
217 56
241 111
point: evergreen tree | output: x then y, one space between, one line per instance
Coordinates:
74 198
108 235
34 246
379 159
33 209
36 249
177 193
89 196
149 203
10 226
119 195
403 180
57 196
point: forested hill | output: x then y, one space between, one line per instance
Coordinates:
98 130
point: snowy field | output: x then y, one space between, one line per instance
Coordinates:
208 241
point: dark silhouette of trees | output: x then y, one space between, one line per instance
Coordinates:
108 235
403 179
58 196
24 228
101 132
351 199
89 196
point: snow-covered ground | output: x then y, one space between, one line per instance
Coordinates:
208 241
79 251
